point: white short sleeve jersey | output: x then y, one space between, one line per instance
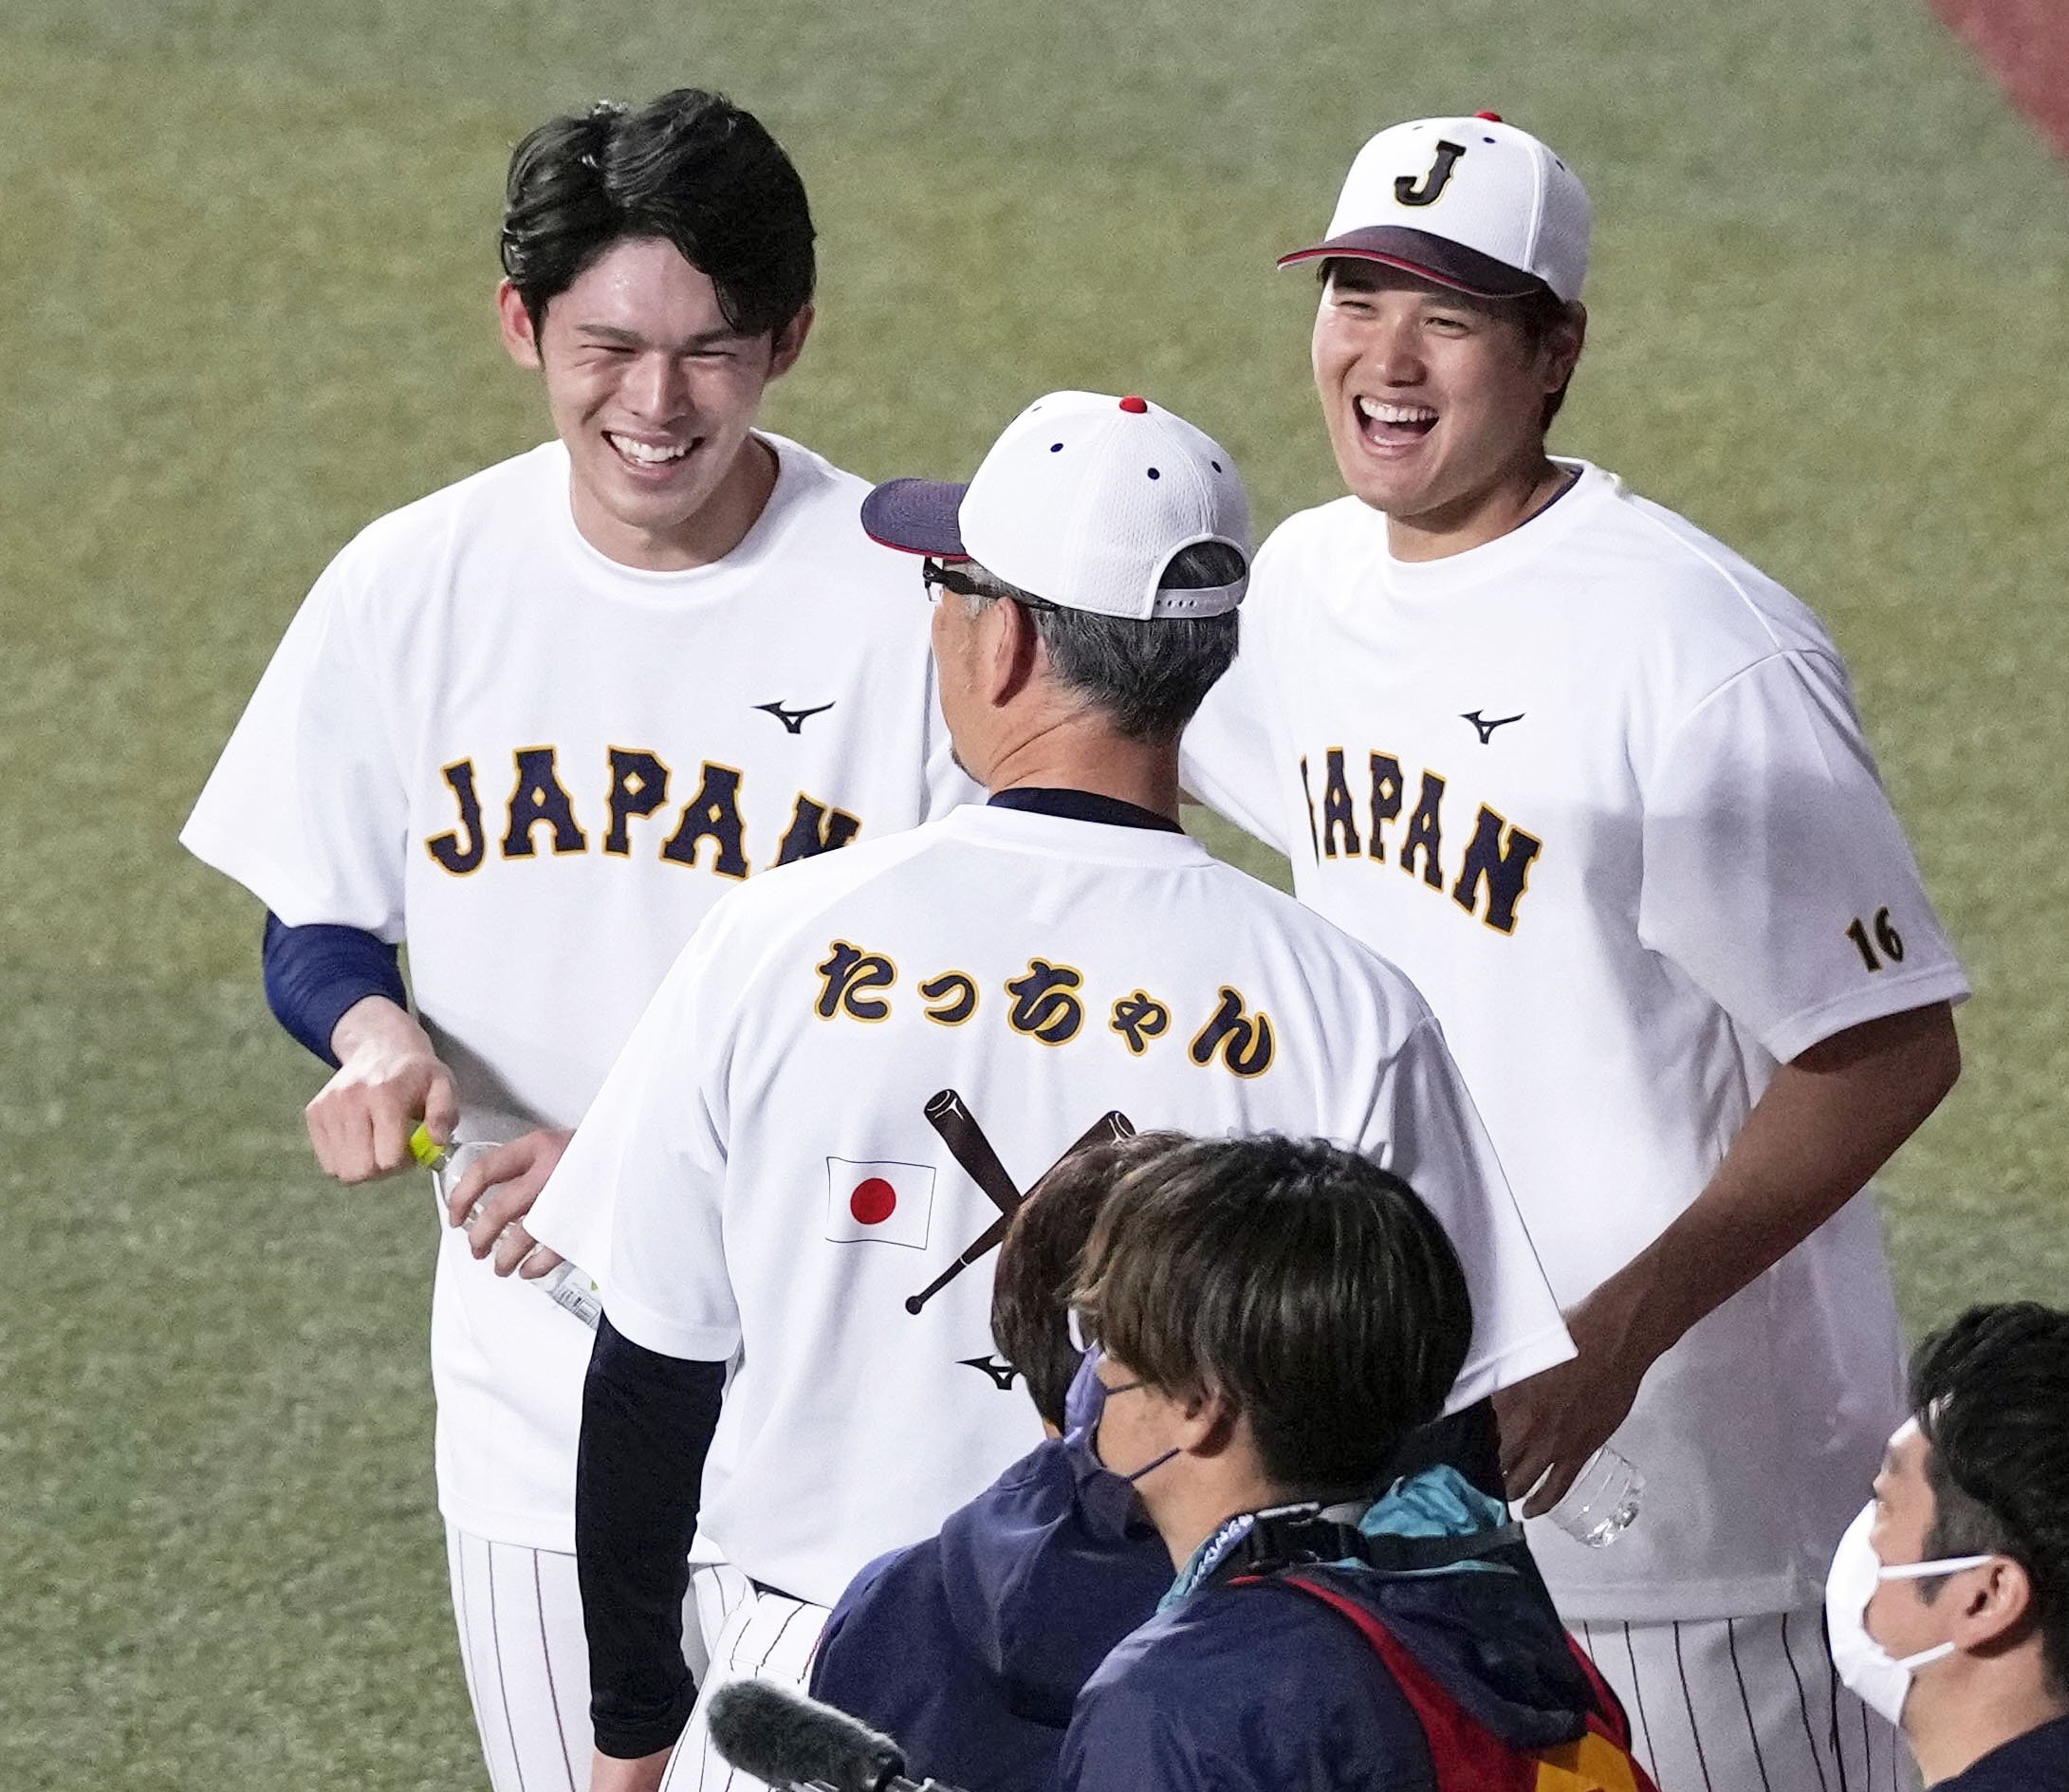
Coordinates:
541 767
793 1158
1600 788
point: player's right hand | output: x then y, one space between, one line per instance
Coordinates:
388 1079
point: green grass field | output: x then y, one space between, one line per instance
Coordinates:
244 308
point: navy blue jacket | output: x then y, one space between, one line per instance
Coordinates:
970 1648
1262 1687
2036 1762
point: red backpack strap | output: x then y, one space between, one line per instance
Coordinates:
1468 1756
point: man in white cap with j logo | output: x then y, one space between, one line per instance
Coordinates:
1599 786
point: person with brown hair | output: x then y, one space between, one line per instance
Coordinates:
1274 1319
970 1646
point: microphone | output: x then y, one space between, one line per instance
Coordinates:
788 1739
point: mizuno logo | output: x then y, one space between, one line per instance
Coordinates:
1001 1372
1485 728
792 720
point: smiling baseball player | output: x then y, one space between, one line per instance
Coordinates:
819 1130
537 723
1598 785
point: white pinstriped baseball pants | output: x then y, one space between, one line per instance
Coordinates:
526 1659
759 1636
1746 1705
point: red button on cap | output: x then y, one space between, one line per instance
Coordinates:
1492 118
1134 406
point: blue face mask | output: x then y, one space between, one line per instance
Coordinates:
1106 1496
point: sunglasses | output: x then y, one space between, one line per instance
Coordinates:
934 573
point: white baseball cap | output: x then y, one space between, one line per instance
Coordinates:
1470 203
1083 502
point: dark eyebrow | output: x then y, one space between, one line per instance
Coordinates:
632 339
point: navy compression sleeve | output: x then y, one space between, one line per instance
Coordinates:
646 1421
313 974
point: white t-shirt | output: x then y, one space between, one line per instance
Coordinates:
764 1151
541 767
1600 788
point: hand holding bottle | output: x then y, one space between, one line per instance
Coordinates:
465 1175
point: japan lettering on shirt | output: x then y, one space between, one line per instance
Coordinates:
1359 806
539 814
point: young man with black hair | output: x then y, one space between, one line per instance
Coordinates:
1274 1316
535 724
1598 785
970 1648
828 1113
1947 1602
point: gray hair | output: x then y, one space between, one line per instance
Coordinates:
1147 677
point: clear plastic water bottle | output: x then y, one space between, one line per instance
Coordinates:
567 1286
1604 1500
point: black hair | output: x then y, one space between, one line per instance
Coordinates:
1539 314
691 169
1147 676
1297 1282
1991 1392
1038 1265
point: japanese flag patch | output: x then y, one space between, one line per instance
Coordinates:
878 1202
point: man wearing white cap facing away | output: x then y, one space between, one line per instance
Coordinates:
1598 785
821 1128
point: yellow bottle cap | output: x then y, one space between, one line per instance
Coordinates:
425 1149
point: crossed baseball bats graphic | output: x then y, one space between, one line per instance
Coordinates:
947 1114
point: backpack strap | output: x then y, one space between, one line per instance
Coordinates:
1467 1756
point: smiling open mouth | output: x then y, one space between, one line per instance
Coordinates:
647 454
1394 425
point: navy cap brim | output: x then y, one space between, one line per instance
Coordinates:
917 516
1435 258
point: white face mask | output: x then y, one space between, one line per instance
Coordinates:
1878 1679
